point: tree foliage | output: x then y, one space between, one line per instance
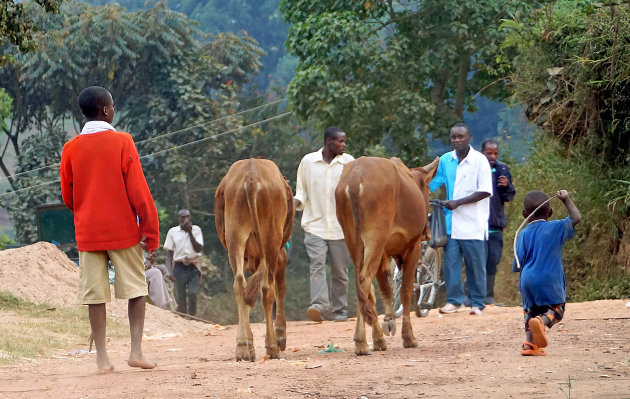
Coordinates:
394 70
261 19
164 75
16 26
571 70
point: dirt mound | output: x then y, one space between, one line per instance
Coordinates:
41 273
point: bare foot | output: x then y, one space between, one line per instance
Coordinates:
141 362
104 366
105 370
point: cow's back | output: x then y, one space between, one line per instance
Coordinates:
260 178
381 194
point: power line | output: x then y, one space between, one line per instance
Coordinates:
212 121
168 149
217 135
158 136
30 187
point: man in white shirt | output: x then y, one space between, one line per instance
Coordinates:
317 178
183 246
468 180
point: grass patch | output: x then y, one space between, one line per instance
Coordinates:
30 330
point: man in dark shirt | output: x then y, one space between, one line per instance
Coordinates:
502 191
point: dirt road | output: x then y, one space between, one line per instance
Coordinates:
458 356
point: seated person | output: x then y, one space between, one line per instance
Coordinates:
157 288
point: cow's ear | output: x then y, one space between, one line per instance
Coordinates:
431 169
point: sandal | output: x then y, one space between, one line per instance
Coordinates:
534 351
537 329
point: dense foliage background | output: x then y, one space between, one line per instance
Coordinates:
188 79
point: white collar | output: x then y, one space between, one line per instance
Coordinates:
320 157
96 127
454 153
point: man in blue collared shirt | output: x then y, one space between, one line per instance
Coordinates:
468 180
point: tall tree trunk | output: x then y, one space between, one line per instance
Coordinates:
462 79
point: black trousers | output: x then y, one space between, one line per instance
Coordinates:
187 279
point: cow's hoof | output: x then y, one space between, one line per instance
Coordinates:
273 352
245 352
282 343
389 327
361 348
379 344
281 337
410 342
362 352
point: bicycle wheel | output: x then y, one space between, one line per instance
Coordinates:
428 279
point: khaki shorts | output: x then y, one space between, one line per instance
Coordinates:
129 283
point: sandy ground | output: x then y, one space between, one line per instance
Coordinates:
458 356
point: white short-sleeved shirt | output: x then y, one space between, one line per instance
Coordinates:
177 240
315 189
470 221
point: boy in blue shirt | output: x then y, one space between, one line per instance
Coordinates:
542 282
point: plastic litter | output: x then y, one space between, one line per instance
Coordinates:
331 348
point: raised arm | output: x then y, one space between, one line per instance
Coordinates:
574 213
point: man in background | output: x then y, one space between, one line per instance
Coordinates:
183 245
467 177
502 191
317 178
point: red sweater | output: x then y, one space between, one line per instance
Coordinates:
103 185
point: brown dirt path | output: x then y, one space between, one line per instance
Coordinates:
458 356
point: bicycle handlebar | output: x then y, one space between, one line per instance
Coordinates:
437 202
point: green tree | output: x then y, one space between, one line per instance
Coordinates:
261 19
394 70
17 27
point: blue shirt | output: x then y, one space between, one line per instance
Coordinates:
446 173
539 251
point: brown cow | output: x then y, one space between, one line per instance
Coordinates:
254 217
382 208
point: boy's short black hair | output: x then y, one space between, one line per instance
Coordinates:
532 200
332 131
92 100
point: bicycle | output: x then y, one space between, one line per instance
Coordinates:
427 280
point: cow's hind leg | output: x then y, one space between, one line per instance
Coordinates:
361 346
280 322
244 337
387 296
271 344
366 300
378 339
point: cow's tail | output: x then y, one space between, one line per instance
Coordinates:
252 187
367 310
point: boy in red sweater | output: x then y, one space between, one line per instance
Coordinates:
102 183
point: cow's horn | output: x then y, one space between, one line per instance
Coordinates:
430 166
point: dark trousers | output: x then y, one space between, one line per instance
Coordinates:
187 279
494 246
